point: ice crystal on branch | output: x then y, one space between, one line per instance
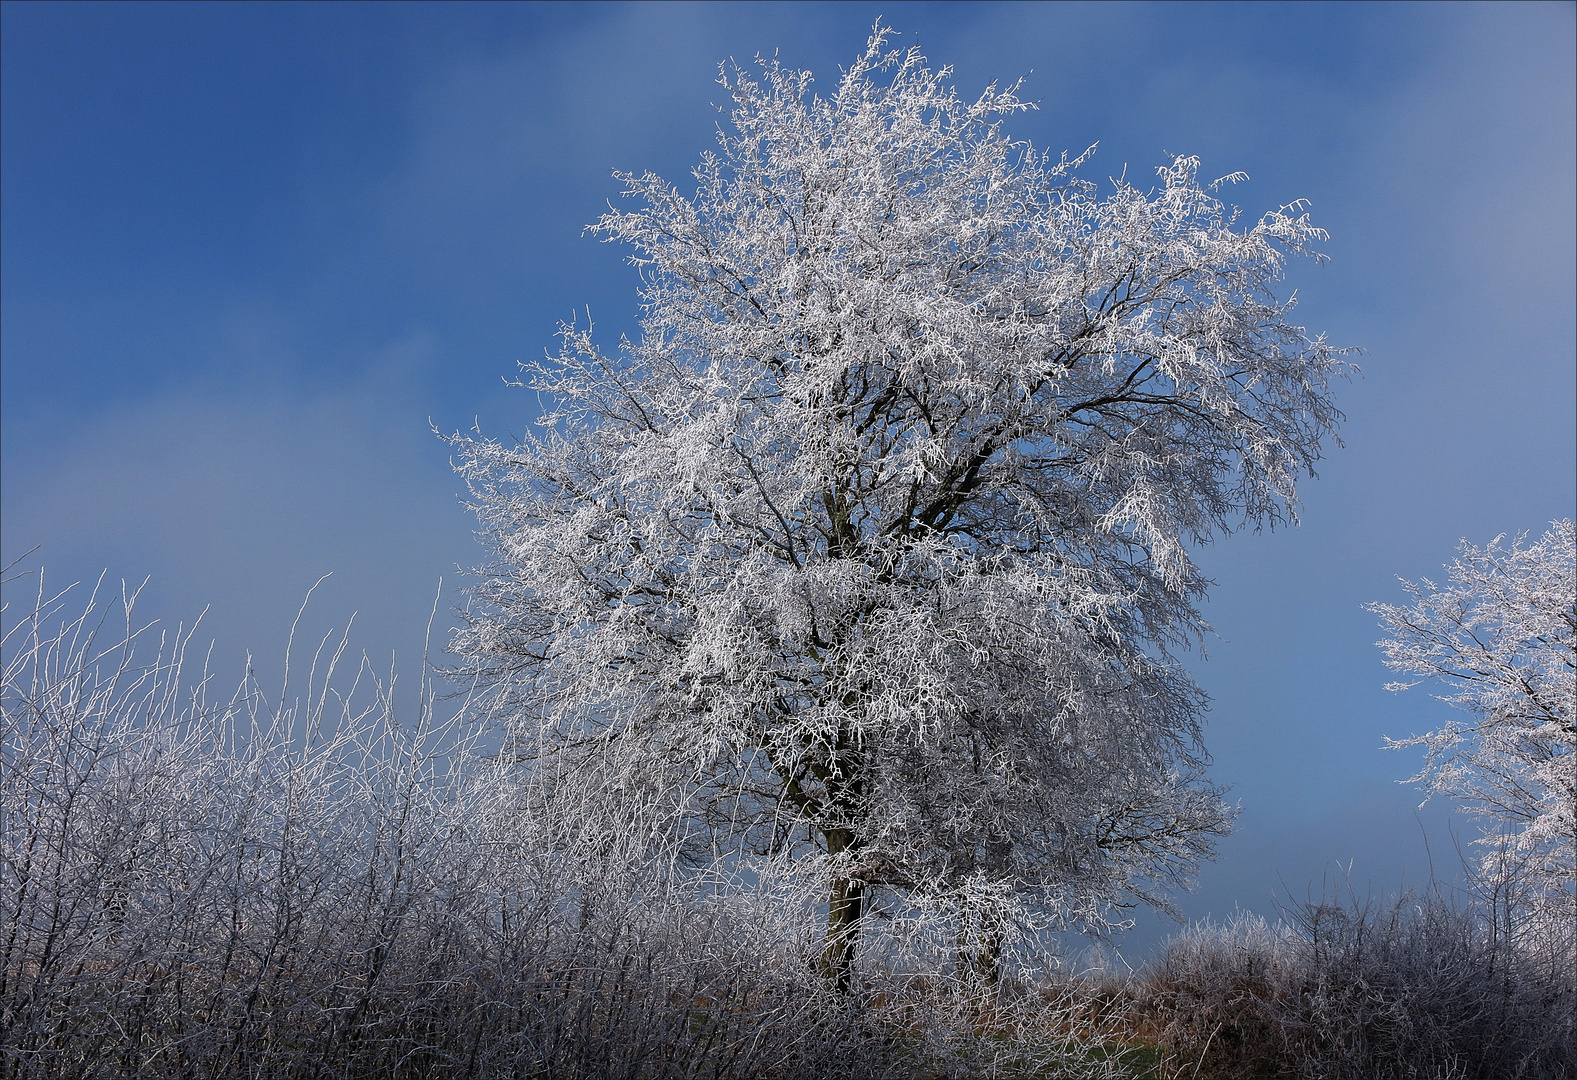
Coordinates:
875 545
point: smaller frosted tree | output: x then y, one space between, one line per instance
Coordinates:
1500 636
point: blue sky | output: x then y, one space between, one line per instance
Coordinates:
251 252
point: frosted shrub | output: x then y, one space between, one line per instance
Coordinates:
1424 987
1213 998
234 887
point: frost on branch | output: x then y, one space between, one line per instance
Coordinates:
874 547
1502 636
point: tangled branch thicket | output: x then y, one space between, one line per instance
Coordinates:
1426 986
194 886
239 887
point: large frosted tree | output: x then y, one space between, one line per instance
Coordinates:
874 547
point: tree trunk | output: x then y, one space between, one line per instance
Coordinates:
980 950
981 932
844 908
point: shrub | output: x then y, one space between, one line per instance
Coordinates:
308 888
1424 987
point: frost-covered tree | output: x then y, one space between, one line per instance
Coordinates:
876 543
1502 637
